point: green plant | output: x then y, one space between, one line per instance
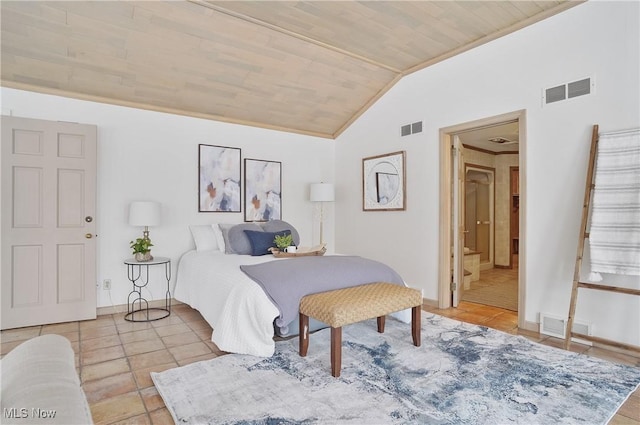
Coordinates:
141 245
283 241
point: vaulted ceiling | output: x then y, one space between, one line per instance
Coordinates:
309 67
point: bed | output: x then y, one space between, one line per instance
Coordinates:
210 280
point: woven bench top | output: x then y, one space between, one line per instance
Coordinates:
350 305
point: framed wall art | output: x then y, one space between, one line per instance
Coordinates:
262 190
383 182
218 179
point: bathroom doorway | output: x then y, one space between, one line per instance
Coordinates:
490 144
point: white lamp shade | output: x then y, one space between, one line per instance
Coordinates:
144 213
321 192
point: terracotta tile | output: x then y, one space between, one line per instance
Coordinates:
136 336
60 328
71 336
152 399
135 420
117 408
199 324
96 343
75 346
171 320
133 326
146 346
20 334
172 329
215 348
189 360
104 369
180 339
102 355
192 317
141 361
99 322
204 334
189 350
180 308
143 377
108 387
8 346
161 417
98 332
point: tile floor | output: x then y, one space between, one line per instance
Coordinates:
114 357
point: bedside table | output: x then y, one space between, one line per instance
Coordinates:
138 309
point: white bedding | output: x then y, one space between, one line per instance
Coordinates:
236 307
233 304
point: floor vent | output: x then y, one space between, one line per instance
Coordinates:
555 326
570 90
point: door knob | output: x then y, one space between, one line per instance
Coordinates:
88 235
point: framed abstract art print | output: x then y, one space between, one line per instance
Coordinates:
262 190
218 179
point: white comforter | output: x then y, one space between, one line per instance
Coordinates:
236 307
233 304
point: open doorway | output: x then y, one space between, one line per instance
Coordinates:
479 206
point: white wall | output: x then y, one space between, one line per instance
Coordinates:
144 155
598 39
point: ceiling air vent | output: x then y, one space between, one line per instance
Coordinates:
568 90
502 141
409 129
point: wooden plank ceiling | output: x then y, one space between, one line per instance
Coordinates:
305 67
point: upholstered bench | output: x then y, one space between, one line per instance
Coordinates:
350 305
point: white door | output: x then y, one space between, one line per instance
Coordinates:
48 222
457 179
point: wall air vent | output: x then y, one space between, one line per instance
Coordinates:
555 326
409 129
568 90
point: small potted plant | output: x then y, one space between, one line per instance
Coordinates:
142 249
283 241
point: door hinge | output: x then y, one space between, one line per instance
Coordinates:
453 286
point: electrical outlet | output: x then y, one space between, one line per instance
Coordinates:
106 284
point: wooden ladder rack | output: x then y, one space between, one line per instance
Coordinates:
569 333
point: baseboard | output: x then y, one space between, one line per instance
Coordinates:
122 308
430 303
531 326
497 266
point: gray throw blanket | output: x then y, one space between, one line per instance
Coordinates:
286 281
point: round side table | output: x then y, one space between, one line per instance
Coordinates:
138 309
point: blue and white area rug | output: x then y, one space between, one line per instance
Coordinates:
462 374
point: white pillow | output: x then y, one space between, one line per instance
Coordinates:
219 237
204 237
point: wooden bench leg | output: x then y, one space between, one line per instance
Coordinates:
381 321
304 334
336 351
415 324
